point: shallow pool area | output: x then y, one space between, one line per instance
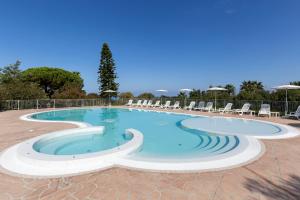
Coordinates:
139 139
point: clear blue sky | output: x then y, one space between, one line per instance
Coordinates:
157 44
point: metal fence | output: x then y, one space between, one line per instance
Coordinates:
276 106
53 103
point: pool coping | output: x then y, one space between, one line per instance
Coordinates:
292 132
122 160
22 159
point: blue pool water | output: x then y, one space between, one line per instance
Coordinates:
164 135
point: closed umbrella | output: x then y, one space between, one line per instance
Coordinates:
215 89
286 88
109 92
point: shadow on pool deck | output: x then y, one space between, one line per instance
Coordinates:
284 190
296 125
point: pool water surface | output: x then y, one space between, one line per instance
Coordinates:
164 136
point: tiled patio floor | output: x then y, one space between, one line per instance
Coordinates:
275 176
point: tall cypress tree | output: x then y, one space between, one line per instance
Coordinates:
107 72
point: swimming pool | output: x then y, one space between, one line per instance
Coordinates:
142 139
164 136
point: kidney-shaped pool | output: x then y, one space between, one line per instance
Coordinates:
167 141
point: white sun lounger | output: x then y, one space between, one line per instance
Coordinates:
227 108
167 105
145 102
294 114
244 109
149 103
264 110
138 103
176 105
208 107
156 105
191 106
200 106
129 102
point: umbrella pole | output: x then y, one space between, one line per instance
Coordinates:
215 101
108 99
286 103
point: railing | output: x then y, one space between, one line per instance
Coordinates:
277 106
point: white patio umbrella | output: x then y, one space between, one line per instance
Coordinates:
185 90
109 91
161 91
286 88
215 89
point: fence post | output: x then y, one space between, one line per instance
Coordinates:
54 103
18 104
37 104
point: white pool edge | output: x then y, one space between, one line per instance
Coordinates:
17 160
122 161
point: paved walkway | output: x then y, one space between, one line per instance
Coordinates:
275 176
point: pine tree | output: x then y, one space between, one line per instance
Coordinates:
106 72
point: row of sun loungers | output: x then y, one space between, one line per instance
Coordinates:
265 109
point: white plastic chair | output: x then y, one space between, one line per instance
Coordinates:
295 114
157 104
191 106
167 105
227 108
200 106
129 102
208 107
176 105
244 109
265 109
138 103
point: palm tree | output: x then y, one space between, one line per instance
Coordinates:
252 86
252 90
230 89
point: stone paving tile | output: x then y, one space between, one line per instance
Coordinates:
276 175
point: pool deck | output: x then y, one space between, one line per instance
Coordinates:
276 175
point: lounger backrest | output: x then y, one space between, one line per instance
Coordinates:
246 107
298 111
265 108
149 103
192 104
157 103
209 105
201 104
176 104
139 102
145 102
130 102
168 103
228 106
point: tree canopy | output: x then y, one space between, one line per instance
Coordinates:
195 94
52 80
107 72
10 73
92 95
126 95
181 95
146 95
12 87
252 90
